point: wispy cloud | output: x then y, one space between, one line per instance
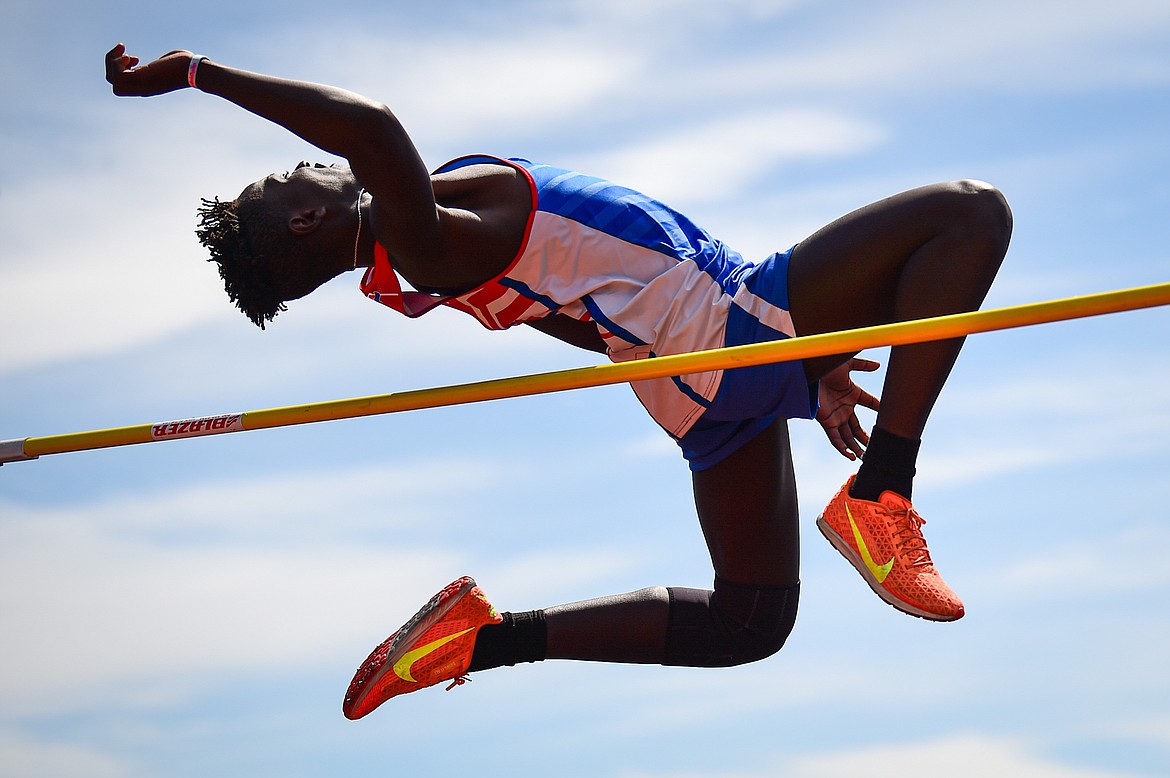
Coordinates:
1067 567
22 756
924 47
958 756
710 161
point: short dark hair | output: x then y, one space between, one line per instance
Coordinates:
241 235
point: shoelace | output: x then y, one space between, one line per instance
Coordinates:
458 680
908 536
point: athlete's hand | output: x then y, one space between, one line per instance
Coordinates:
165 74
839 398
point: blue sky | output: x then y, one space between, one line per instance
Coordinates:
198 607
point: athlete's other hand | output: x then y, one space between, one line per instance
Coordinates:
165 74
839 398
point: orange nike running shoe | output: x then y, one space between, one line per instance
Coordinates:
434 646
884 541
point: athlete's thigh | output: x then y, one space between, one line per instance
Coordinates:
748 511
845 275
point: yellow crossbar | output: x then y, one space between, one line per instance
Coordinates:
848 341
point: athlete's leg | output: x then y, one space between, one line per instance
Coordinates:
747 510
927 252
628 628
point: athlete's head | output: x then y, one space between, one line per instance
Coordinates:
283 237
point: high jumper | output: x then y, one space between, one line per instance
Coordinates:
608 269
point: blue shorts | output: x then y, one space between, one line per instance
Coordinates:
749 399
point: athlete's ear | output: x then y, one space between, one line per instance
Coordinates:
306 221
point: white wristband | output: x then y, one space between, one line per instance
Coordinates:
192 69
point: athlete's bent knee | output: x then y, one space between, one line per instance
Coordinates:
732 625
986 208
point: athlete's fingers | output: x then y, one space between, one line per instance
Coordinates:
860 436
118 64
863 364
851 442
840 443
113 59
867 400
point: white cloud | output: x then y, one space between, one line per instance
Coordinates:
290 506
925 47
145 601
125 268
712 160
1154 730
22 756
116 623
958 756
1070 566
683 14
973 755
475 86
119 623
1048 411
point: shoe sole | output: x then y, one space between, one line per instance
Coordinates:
855 560
428 616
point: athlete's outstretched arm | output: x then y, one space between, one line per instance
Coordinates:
363 131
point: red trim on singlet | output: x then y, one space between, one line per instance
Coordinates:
380 282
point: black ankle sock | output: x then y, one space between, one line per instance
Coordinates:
888 465
520 637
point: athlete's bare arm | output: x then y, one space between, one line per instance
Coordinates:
582 334
425 237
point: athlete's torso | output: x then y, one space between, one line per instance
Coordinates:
652 281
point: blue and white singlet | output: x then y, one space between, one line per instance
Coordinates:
654 284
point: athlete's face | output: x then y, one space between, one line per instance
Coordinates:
308 185
310 212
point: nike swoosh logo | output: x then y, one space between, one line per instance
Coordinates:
879 571
402 666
